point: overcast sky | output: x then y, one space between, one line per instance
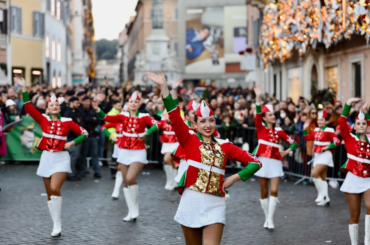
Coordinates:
110 17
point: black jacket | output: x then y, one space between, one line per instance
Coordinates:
76 117
91 121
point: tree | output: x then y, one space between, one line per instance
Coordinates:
106 49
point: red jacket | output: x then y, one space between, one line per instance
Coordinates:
168 135
117 126
269 138
322 137
207 161
54 133
358 151
132 128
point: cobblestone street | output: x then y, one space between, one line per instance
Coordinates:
90 216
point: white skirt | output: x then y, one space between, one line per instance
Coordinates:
271 168
54 162
355 184
115 151
169 147
198 209
126 157
325 158
181 170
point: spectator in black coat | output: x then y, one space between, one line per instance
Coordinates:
74 113
91 121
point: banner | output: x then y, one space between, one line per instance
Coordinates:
22 140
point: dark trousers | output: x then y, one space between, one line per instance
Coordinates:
89 149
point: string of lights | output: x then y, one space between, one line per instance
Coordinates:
290 25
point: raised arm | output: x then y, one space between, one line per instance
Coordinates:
365 108
344 130
30 109
180 128
258 117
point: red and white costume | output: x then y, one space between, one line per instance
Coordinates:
323 137
132 149
168 138
54 136
202 201
358 153
119 130
268 149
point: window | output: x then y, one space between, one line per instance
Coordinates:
47 47
356 71
59 52
16 19
53 50
38 24
52 8
332 78
36 76
59 83
295 83
58 10
4 21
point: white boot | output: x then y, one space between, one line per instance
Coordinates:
134 190
56 206
367 229
128 198
117 185
173 176
318 184
50 206
326 200
168 171
353 233
272 206
265 207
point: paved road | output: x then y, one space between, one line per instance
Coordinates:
91 217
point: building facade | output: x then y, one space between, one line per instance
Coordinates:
27 31
56 45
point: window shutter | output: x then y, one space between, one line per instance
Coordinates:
4 30
12 22
42 24
35 23
19 20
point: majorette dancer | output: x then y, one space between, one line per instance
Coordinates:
325 140
115 136
357 181
169 144
55 160
268 152
201 211
132 153
178 154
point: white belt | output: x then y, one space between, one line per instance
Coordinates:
169 132
119 135
206 167
321 143
53 136
132 135
264 142
358 159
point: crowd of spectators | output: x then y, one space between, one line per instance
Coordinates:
234 110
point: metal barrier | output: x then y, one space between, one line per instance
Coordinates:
246 138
